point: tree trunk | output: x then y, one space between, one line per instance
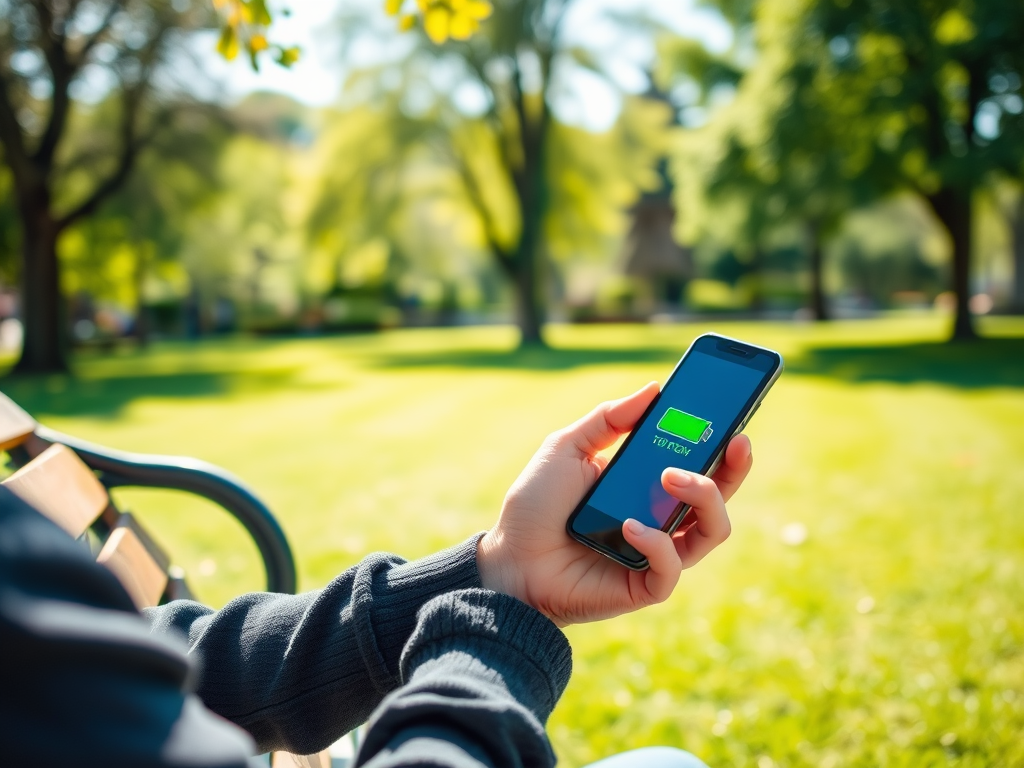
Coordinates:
1017 244
528 272
819 307
953 207
44 349
529 311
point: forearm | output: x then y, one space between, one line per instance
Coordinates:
299 671
482 673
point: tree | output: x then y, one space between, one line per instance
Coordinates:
1009 200
503 146
149 218
852 100
49 51
931 96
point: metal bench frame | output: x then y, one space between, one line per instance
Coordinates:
120 469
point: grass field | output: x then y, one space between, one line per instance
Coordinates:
868 610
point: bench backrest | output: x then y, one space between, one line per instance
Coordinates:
62 487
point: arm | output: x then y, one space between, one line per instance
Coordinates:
82 680
300 671
482 673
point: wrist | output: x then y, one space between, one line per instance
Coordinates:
497 570
501 572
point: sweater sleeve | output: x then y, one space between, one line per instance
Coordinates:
299 671
82 680
482 673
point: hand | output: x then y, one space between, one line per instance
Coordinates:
528 554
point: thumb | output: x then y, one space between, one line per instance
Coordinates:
603 425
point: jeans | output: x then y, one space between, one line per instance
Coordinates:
651 757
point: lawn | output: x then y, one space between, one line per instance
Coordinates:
868 610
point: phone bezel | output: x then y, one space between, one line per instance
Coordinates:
734 429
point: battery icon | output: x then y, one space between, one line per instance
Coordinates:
685 425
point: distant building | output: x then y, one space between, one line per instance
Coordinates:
650 253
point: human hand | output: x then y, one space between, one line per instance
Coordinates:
529 555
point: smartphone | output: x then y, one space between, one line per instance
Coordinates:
710 396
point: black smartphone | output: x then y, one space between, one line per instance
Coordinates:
710 396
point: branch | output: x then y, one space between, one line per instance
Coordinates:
96 36
105 188
131 145
476 198
557 23
62 71
131 142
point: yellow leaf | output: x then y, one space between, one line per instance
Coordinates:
424 5
258 43
392 7
227 45
436 23
478 9
406 22
462 27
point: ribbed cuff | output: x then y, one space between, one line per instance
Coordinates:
391 598
530 654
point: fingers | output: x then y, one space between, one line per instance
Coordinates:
603 425
659 549
710 526
734 467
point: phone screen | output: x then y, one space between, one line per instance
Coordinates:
700 407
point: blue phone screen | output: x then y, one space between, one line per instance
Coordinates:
687 426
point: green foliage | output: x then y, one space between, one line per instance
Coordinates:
865 611
846 102
937 85
129 252
479 114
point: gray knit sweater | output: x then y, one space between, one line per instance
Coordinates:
453 675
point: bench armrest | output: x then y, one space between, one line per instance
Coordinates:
118 469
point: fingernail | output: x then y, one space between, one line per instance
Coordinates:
679 477
636 527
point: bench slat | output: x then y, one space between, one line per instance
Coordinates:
142 577
15 424
62 487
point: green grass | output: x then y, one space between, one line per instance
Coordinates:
892 636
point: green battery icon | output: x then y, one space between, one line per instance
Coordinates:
685 425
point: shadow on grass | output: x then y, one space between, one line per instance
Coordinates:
62 395
526 358
984 363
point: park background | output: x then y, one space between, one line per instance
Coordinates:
367 255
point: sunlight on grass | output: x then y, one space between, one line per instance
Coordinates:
867 611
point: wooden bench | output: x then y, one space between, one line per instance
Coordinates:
69 480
